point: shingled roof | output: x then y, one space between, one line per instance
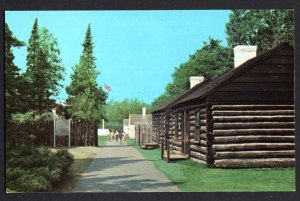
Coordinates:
203 89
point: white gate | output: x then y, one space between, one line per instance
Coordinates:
62 127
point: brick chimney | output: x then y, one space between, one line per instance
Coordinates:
243 53
194 80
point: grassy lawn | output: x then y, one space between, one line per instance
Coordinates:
82 160
102 140
191 176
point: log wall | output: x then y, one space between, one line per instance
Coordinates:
158 121
177 134
198 145
144 133
252 136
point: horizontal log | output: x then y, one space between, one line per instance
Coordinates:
203 129
192 118
198 161
192 112
176 148
192 123
198 155
253 112
198 148
177 152
255 138
262 131
192 135
255 154
193 141
203 143
192 128
174 142
253 146
276 118
255 163
254 125
202 116
203 136
203 111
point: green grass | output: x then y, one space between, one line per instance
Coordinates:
102 140
191 176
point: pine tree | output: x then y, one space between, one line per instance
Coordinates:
86 98
44 70
13 80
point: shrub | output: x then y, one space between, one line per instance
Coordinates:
30 169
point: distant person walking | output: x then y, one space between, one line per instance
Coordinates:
124 137
112 135
121 136
117 136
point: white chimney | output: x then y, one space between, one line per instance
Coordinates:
144 111
243 53
194 80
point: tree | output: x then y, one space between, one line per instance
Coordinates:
86 98
264 28
116 111
44 70
13 80
209 61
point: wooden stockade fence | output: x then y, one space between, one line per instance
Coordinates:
144 135
83 133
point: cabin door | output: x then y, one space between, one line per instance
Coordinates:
186 133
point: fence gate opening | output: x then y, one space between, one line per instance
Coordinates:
62 127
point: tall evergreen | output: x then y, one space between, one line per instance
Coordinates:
13 80
86 98
44 70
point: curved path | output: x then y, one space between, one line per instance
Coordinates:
121 168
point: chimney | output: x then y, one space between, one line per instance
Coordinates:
243 53
194 80
144 111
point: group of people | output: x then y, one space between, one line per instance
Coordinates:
119 136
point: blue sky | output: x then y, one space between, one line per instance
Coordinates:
136 51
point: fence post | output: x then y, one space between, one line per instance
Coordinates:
69 132
54 131
162 148
96 135
168 150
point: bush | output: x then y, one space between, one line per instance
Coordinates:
31 169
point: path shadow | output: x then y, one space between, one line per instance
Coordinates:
111 162
121 145
125 183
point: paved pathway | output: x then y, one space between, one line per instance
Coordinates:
121 168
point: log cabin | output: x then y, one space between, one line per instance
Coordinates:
243 118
